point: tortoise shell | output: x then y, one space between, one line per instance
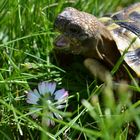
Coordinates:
127 35
105 38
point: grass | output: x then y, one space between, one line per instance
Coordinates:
27 58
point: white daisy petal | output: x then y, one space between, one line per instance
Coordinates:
42 88
36 93
35 111
51 116
52 122
58 116
65 95
60 94
62 101
51 87
48 121
61 106
29 101
32 98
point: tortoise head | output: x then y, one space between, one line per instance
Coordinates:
80 31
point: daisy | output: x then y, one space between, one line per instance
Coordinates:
44 99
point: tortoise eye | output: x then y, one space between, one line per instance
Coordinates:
74 29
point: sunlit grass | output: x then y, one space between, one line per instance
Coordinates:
27 58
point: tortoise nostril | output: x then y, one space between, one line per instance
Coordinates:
57 22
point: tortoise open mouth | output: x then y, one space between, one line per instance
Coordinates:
65 44
62 42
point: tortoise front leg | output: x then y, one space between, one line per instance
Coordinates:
96 69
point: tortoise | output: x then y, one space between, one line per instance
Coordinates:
102 41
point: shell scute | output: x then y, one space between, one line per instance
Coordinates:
129 29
